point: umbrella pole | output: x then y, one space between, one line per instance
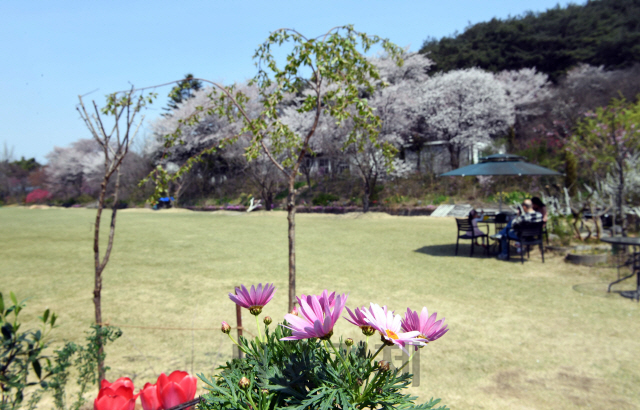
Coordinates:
499 198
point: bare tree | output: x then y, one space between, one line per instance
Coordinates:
113 127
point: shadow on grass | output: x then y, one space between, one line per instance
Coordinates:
450 250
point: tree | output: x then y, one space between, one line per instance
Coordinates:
326 75
395 103
604 32
71 171
184 90
463 108
606 139
114 139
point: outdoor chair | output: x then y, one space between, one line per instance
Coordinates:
500 222
529 233
466 231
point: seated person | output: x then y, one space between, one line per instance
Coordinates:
539 206
474 218
528 215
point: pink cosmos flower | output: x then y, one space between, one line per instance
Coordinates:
255 299
388 324
330 298
316 316
427 326
358 319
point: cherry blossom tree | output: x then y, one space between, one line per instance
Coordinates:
72 171
463 108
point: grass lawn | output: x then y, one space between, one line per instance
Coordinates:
532 336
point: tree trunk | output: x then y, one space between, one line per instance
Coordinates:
97 288
365 198
267 198
291 218
100 265
454 156
623 219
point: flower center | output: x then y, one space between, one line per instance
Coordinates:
391 334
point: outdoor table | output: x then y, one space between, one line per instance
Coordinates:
491 220
635 264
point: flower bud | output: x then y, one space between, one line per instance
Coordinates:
367 330
349 342
294 312
243 383
384 366
256 310
225 328
267 320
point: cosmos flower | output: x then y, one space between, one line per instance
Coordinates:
255 299
427 326
389 326
316 316
358 319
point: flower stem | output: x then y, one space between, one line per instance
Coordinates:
379 350
259 332
236 343
408 360
346 369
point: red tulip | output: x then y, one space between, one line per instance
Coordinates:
177 388
123 381
116 396
149 397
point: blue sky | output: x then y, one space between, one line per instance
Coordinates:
53 51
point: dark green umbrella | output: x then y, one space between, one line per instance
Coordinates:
500 164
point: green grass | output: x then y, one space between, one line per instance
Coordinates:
521 336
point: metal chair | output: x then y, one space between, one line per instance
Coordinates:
529 233
466 231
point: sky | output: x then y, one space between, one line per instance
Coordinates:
53 51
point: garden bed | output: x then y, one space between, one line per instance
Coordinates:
399 211
588 255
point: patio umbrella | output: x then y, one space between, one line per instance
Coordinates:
500 164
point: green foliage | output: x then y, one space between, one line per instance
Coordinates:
84 358
182 91
397 199
22 357
605 32
571 173
440 199
302 374
604 138
561 226
324 199
509 198
21 353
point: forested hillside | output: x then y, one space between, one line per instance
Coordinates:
600 32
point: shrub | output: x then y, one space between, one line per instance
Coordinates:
440 199
324 199
38 196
